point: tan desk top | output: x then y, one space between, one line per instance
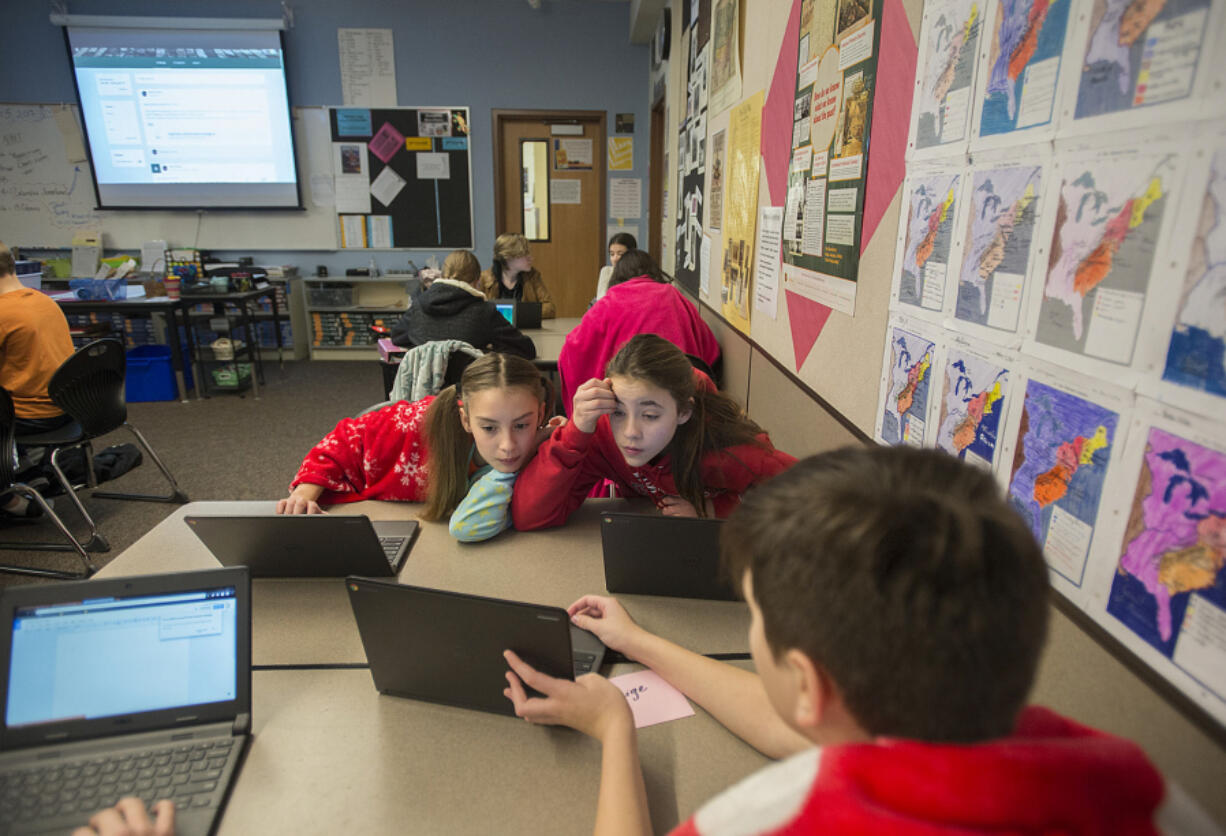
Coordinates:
309 622
550 336
330 754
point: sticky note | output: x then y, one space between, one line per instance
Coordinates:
651 699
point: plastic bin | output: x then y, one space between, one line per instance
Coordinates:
151 375
332 295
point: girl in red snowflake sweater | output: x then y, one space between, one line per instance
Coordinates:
654 427
459 451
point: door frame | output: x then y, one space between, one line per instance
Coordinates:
600 155
656 177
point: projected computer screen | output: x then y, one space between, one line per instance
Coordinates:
185 119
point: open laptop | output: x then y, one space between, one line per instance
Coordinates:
307 545
135 686
446 647
519 313
656 555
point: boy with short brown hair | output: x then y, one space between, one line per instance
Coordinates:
899 608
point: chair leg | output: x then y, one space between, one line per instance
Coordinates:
176 493
88 566
96 542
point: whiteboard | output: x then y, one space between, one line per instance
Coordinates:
44 198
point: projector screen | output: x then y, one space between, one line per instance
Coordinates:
185 119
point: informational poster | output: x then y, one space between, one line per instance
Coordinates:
368 67
692 168
740 211
716 197
572 154
396 188
831 116
621 153
625 197
766 280
725 55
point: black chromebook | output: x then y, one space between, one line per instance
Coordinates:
446 647
307 545
135 686
655 555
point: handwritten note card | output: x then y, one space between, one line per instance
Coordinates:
651 699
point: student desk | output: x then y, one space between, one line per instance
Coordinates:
173 308
309 622
549 339
330 754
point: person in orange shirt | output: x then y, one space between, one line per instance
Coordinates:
34 341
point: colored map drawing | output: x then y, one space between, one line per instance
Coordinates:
907 397
1119 52
972 403
1064 445
929 232
952 47
1175 542
1100 209
1027 32
999 228
1196 357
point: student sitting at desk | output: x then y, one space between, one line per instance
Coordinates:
458 452
514 277
452 308
619 244
641 300
657 427
898 609
34 342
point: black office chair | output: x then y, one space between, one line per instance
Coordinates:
89 386
9 485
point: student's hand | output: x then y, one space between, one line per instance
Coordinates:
608 620
302 500
675 506
129 818
547 430
591 704
593 399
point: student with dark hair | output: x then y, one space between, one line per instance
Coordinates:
641 300
34 342
898 610
512 275
619 244
453 308
654 426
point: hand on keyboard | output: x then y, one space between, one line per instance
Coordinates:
130 818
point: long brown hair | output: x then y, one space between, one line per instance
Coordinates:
717 422
448 443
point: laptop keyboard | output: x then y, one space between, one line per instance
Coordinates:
391 546
187 774
583 663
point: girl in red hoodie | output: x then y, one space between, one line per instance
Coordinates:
655 427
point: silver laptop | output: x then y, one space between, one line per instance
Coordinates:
307 545
135 686
446 647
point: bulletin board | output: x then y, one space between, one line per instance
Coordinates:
403 177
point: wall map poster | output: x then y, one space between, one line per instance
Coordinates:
832 113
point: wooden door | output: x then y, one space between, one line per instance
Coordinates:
555 198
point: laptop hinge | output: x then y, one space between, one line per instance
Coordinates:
242 725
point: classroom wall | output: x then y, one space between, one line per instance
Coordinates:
569 54
830 402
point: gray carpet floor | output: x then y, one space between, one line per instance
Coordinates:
228 446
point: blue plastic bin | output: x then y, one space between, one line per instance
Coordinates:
151 375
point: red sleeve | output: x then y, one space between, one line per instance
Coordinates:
360 453
559 477
729 473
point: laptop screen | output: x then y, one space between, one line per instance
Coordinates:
111 656
507 309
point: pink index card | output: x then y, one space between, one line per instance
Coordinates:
386 142
651 699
